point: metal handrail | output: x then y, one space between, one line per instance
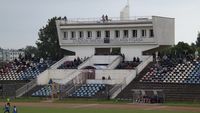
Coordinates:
57 63
72 86
98 19
27 87
83 63
118 57
118 87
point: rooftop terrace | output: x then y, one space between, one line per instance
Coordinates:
66 20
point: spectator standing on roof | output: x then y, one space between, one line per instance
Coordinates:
103 18
106 17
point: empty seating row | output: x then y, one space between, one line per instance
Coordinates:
43 92
88 90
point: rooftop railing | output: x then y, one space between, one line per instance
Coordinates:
103 20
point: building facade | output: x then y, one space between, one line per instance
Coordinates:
101 36
10 54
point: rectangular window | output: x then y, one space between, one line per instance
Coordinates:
73 35
98 34
64 35
89 34
144 33
151 34
125 33
107 34
134 33
80 34
117 34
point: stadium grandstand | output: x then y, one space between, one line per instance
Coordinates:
114 58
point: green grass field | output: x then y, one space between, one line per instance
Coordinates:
22 109
65 110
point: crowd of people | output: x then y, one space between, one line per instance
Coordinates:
21 67
149 99
72 64
21 64
168 68
166 62
129 64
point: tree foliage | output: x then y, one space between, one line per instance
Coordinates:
198 40
48 44
29 51
181 49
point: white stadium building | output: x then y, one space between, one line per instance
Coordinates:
131 36
107 43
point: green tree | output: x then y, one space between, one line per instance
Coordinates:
48 44
180 49
29 50
198 40
184 48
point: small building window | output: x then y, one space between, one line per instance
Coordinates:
144 33
89 34
151 34
73 35
134 33
98 34
80 34
65 35
117 33
107 34
125 33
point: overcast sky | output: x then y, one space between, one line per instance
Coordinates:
20 20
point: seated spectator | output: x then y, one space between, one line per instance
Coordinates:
138 59
134 59
109 78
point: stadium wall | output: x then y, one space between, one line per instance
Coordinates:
129 51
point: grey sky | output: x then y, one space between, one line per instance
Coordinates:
20 20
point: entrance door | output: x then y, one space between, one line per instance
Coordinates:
102 51
116 51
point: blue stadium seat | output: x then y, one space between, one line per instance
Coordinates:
88 90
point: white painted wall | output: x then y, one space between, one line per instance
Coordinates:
124 14
58 74
114 63
117 75
59 32
129 51
145 61
98 59
135 51
70 77
164 30
81 51
103 59
43 78
110 82
66 58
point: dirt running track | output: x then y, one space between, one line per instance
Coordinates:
108 106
